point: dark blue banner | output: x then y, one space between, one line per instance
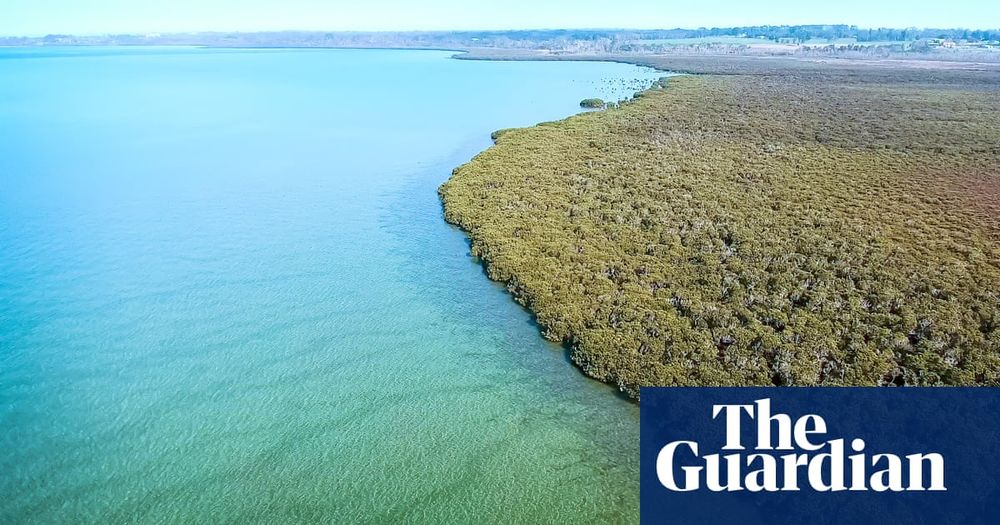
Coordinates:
820 456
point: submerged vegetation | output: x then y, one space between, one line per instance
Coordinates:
763 223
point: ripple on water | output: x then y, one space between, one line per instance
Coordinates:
231 295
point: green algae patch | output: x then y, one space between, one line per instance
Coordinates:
755 229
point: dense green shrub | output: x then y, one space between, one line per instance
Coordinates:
592 103
757 228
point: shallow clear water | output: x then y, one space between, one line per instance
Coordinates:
227 292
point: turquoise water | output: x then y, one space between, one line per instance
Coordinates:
227 294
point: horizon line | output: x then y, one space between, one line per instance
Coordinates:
510 30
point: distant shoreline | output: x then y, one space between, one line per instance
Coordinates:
915 60
928 62
953 61
814 41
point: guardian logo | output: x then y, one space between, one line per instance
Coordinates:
819 455
764 467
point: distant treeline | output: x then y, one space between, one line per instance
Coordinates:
610 40
828 32
800 33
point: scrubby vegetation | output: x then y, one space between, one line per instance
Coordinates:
757 225
592 103
576 40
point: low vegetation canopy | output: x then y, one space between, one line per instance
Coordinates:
762 223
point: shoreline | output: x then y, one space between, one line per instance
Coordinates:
916 62
913 59
480 252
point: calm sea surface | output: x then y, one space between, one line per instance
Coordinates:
227 294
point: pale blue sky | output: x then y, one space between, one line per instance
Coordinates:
37 17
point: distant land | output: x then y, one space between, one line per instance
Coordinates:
802 40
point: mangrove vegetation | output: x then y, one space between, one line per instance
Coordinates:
761 223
